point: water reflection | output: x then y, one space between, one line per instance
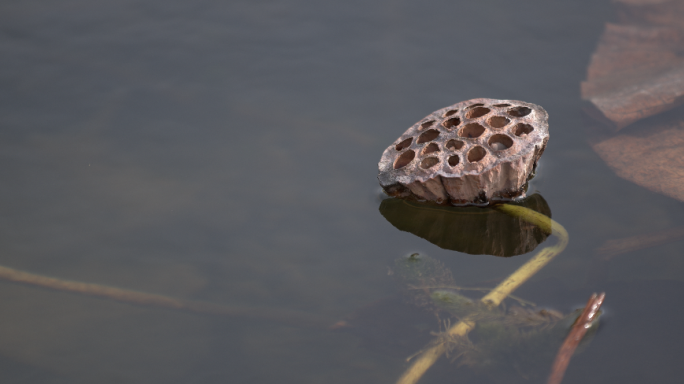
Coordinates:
472 230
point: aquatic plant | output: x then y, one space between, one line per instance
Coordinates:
427 357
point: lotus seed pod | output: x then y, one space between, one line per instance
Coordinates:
471 152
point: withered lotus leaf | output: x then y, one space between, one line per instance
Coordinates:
637 69
650 154
635 73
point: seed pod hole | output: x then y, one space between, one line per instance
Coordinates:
404 144
428 135
454 160
475 105
429 162
454 144
476 154
426 124
451 123
472 130
432 147
450 112
519 111
477 112
500 142
498 121
404 159
522 129
502 105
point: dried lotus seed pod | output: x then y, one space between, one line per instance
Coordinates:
468 153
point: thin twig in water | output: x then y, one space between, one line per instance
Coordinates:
160 301
578 331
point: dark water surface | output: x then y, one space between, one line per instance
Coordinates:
227 152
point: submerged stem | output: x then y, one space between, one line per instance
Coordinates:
161 301
426 359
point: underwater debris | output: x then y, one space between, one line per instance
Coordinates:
468 153
511 338
420 275
428 283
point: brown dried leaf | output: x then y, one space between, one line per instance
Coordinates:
635 72
637 69
628 49
649 154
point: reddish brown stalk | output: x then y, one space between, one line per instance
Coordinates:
577 332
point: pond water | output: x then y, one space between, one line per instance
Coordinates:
226 152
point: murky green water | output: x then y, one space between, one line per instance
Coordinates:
227 152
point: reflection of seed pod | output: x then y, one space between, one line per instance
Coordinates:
467 153
472 230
